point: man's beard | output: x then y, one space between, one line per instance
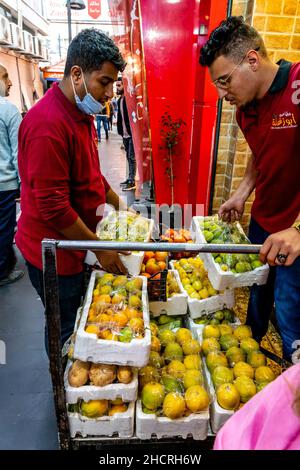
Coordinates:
3 89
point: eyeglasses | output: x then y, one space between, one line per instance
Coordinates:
224 83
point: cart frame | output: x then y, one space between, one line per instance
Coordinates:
49 247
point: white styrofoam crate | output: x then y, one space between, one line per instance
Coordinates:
89 348
132 262
218 415
198 329
222 279
198 308
147 425
175 305
127 392
120 424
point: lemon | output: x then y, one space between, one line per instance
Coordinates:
246 388
192 361
94 408
176 369
228 396
182 335
192 377
153 395
191 346
264 374
174 406
210 344
211 331
243 369
196 398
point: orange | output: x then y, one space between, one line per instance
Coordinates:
146 275
136 324
92 329
148 255
131 312
143 268
117 409
104 333
162 265
120 319
152 267
117 299
161 255
112 337
104 298
103 319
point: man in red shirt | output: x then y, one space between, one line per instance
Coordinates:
269 116
63 191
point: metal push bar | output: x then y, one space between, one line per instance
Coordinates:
49 248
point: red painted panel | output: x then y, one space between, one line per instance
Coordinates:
168 40
205 111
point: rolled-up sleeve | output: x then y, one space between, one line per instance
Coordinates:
49 177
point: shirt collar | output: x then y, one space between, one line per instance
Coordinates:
279 82
281 77
72 109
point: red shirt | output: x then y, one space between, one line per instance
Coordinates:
271 128
61 178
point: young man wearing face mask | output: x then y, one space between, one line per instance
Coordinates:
268 113
10 119
63 190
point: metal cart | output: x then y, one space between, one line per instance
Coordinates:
49 248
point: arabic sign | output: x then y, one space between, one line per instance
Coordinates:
57 11
94 8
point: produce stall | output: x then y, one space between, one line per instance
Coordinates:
135 423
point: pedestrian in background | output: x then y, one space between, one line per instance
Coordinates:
123 125
10 120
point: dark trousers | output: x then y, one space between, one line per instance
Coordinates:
129 149
283 288
71 290
102 119
7 231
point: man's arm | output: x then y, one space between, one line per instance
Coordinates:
49 177
286 242
109 260
233 209
114 200
12 130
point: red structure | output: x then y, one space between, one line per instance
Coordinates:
171 33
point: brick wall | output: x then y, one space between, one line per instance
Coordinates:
278 21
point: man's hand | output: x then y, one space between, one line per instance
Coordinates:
110 261
232 209
286 242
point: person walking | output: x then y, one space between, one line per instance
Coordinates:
10 120
123 126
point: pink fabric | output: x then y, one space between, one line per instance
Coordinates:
267 421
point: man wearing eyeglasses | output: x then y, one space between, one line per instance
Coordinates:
268 114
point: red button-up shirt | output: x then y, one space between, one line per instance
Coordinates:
60 175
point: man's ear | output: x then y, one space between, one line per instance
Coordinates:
253 60
76 73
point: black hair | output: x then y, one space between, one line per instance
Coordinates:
233 37
90 49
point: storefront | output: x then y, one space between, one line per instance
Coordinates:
26 79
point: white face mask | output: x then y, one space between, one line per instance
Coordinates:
88 105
